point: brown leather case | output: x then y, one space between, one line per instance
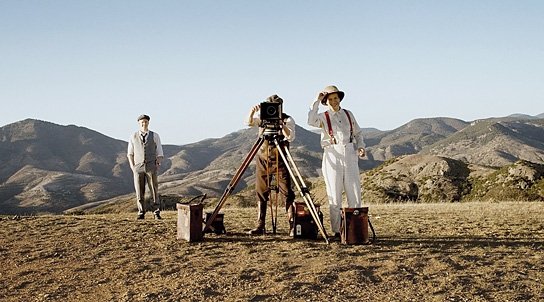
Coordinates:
354 226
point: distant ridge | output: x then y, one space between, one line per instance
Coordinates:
526 116
494 142
409 138
48 168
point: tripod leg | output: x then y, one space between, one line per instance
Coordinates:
274 211
234 181
304 190
301 186
275 188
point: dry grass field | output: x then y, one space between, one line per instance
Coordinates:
423 252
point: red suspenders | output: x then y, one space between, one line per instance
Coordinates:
330 127
333 139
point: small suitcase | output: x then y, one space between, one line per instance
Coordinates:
354 226
303 222
217 225
190 222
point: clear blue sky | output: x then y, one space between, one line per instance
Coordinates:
196 67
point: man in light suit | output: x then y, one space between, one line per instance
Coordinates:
144 156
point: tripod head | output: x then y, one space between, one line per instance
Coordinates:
271 129
273 134
267 132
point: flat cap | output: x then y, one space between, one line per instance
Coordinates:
144 117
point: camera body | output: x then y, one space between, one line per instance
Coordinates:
271 111
271 115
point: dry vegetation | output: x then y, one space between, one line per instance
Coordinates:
424 252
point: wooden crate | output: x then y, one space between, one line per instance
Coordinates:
190 220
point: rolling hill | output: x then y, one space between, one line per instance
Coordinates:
49 168
494 142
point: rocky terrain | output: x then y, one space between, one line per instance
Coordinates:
473 251
425 178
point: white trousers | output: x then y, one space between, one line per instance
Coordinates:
341 173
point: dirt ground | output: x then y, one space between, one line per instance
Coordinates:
423 252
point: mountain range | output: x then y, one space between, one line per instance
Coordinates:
50 168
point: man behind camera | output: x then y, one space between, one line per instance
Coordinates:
269 163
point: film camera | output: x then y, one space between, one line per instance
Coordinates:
271 115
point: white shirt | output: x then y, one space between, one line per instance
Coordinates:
340 126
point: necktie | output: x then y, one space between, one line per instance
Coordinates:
143 138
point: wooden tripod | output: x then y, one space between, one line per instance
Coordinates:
294 172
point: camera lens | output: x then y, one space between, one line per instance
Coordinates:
271 111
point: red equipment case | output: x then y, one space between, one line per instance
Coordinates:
303 222
354 226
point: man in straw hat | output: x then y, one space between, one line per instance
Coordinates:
268 164
342 143
144 156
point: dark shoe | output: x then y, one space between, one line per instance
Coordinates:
141 216
336 236
158 216
257 231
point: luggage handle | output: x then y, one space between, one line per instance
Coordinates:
373 233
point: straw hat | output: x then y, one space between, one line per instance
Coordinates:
331 89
